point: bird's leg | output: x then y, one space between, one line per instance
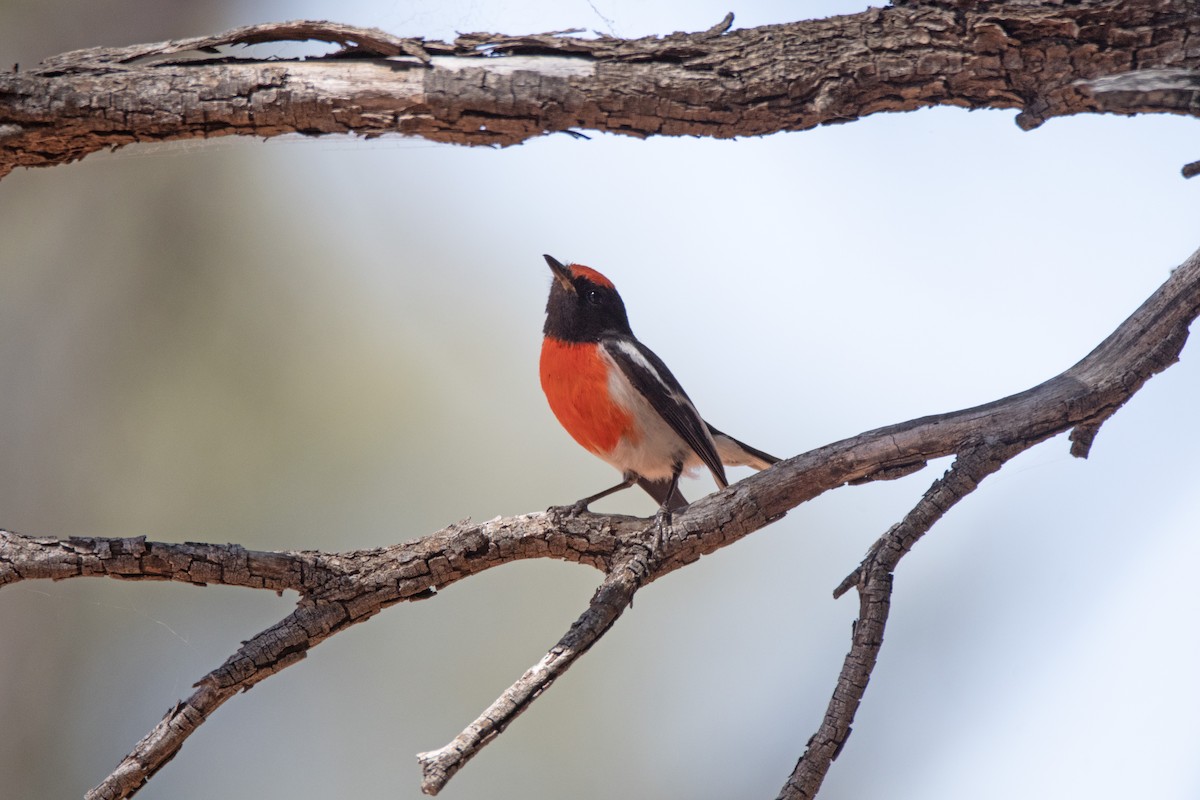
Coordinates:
664 510
663 518
582 505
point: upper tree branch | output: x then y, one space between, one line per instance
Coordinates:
1043 59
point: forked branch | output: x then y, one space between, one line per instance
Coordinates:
338 590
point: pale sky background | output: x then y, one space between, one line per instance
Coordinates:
333 344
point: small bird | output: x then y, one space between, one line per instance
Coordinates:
618 399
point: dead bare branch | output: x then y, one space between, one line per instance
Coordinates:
613 596
339 590
873 578
1043 59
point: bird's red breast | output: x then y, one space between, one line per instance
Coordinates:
618 399
575 380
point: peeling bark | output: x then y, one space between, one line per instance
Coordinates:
1043 59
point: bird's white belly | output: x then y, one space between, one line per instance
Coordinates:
659 448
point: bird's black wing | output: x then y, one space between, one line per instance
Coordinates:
651 378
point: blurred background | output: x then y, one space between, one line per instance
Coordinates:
333 344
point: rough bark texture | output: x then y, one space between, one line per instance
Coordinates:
1044 59
338 590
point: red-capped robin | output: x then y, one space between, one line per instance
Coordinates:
618 399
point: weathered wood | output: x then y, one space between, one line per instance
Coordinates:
339 590
1045 60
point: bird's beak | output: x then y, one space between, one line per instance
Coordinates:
561 273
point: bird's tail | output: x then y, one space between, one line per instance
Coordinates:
739 454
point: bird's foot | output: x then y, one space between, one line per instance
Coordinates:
573 510
662 521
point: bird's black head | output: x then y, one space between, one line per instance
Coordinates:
583 305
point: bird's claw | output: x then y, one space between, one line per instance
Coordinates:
662 521
573 510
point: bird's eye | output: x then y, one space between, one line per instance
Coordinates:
593 297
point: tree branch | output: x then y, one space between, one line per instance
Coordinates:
613 596
338 590
1045 60
279 646
873 578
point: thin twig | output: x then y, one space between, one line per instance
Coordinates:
874 581
363 40
613 596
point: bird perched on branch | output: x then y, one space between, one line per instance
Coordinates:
618 399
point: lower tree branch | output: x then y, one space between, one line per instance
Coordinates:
613 597
873 578
28 558
279 646
338 590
